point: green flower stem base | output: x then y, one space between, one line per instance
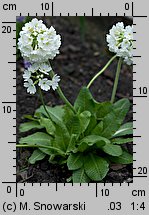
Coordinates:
62 96
42 100
101 71
40 146
116 79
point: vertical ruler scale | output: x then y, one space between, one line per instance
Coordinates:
88 198
8 99
140 87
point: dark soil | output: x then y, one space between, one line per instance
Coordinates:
78 62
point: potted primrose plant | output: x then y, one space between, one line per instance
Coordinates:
88 135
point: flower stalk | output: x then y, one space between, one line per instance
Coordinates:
101 71
42 100
116 80
62 96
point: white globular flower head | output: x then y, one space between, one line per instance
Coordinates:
37 43
120 41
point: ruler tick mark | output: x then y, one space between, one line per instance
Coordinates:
9 22
92 11
8 102
12 142
52 9
137 56
140 16
140 96
96 190
132 6
11 62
